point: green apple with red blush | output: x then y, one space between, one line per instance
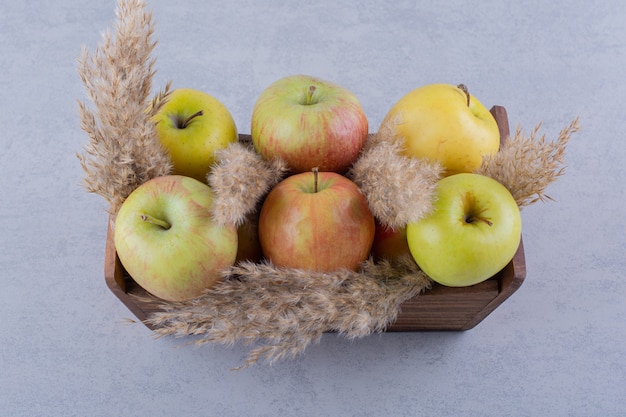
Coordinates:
309 122
167 241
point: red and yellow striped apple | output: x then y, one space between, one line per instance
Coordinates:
316 221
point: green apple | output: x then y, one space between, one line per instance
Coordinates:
167 240
444 123
309 122
472 233
316 221
192 125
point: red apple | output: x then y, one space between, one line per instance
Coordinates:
249 248
309 122
316 221
192 126
390 243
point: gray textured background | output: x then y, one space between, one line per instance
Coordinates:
557 347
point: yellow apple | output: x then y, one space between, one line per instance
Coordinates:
192 125
445 123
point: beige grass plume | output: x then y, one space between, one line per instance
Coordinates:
241 178
123 151
399 190
527 164
282 310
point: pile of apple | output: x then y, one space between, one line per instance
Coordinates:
317 218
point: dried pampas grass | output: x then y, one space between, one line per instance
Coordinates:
123 151
285 310
240 178
399 190
527 164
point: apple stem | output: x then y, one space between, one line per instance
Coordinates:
463 88
146 218
472 219
316 171
188 120
309 96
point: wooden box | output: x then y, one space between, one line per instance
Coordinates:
439 308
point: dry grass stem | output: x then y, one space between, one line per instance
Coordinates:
399 190
528 164
285 310
123 151
240 178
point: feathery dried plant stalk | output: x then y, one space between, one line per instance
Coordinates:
399 190
285 310
240 178
527 164
123 151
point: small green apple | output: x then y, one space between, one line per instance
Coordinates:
472 233
167 240
192 125
316 221
446 124
309 122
